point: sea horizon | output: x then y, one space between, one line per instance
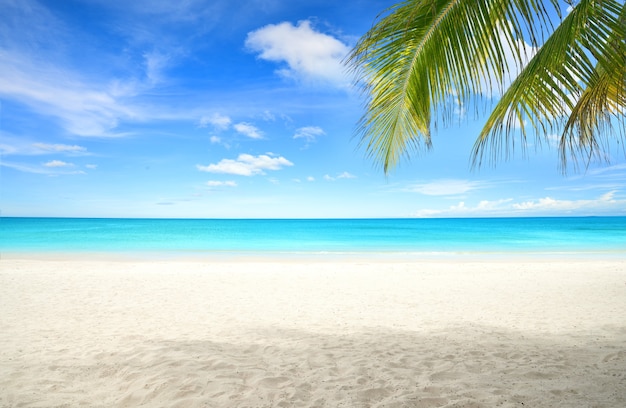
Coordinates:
289 237
311 218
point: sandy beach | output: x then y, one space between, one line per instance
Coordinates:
313 333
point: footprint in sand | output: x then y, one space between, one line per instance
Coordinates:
273 382
614 356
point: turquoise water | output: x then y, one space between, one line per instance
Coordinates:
592 235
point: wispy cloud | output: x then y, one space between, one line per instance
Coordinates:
217 120
215 139
53 168
44 28
620 169
83 108
247 165
344 175
165 11
156 62
445 187
309 134
58 163
55 69
59 148
309 55
25 168
248 130
215 183
12 145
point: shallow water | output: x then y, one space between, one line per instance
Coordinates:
566 236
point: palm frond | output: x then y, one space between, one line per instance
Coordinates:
602 102
425 52
413 59
573 83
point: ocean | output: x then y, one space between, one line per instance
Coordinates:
605 236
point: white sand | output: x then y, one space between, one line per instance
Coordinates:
339 333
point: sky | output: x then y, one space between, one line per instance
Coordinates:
236 109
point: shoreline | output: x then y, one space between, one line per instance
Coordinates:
350 332
312 256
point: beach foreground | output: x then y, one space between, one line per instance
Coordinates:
320 333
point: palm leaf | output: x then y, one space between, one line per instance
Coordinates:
572 82
422 53
602 102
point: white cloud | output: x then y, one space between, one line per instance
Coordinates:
248 130
52 170
492 205
610 169
484 207
155 65
213 183
268 116
26 168
58 163
426 213
445 187
59 148
607 203
552 205
492 208
309 133
346 175
310 55
83 109
91 166
14 145
310 178
218 121
215 139
544 203
247 165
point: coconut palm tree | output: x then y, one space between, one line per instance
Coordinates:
543 70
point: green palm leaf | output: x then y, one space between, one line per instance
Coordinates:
424 56
602 102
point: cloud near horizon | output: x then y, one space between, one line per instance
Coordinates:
547 206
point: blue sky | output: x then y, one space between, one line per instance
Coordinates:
224 109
